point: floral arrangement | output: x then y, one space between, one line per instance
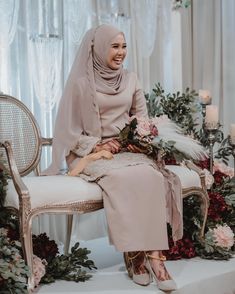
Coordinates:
63 267
13 270
160 136
184 109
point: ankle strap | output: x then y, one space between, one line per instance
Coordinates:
162 257
134 256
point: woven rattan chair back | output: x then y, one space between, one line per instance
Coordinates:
18 126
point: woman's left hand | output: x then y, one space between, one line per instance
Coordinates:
135 149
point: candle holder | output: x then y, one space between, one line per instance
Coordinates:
203 106
211 129
232 144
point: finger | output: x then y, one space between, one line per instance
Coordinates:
114 147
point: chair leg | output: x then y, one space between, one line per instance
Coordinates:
69 233
204 211
27 246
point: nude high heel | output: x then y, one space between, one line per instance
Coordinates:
142 279
165 285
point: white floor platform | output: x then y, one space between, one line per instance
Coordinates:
194 276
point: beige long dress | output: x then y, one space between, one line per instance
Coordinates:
139 198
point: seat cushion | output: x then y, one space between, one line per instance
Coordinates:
188 177
49 190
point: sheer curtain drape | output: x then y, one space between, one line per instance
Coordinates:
208 50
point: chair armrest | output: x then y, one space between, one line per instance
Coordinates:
199 171
20 187
46 141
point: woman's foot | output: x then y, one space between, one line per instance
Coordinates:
135 264
155 265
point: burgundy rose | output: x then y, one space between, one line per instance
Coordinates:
218 206
204 164
219 177
44 248
183 248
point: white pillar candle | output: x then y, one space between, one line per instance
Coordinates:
232 133
212 116
205 97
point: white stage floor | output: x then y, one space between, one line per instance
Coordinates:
193 276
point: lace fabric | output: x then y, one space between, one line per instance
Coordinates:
99 168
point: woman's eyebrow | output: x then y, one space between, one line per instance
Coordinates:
118 43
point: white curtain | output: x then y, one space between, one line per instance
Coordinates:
208 29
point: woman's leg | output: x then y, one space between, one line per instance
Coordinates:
156 260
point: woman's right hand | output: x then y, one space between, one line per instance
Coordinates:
112 146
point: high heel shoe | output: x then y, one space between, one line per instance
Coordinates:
165 285
142 279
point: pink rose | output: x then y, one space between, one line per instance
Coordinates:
223 168
224 236
209 179
153 130
143 127
39 269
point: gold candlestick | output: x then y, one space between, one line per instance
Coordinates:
212 130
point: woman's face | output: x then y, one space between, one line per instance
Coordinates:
117 52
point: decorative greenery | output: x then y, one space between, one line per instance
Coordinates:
224 151
181 108
69 267
184 109
13 270
3 181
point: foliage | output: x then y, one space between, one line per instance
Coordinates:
3 181
13 270
69 267
184 110
179 107
224 151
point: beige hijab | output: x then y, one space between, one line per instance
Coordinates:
78 111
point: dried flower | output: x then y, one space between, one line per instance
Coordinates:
39 269
224 236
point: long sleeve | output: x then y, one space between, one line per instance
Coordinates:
139 106
85 145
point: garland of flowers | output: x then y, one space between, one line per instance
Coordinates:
184 109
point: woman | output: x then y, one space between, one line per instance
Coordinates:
98 100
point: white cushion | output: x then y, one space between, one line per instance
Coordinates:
188 177
58 189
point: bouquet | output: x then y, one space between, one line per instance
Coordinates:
162 136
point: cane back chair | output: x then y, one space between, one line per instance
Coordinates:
34 195
20 137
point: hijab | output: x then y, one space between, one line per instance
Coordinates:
78 112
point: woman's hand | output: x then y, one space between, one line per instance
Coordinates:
112 146
135 149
